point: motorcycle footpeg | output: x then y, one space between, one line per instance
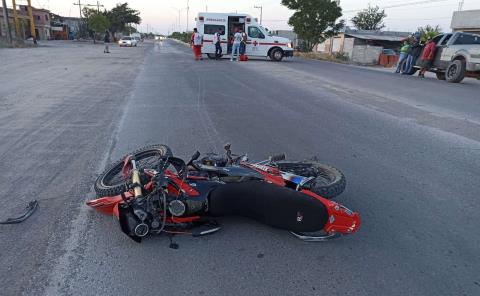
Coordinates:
315 237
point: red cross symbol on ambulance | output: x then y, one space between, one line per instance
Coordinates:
255 43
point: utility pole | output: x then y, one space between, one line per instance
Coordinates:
460 5
7 24
32 23
79 8
188 9
98 6
261 12
15 19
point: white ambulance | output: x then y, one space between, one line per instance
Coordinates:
259 42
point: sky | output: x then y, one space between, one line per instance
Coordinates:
162 16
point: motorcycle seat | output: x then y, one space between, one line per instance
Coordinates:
270 204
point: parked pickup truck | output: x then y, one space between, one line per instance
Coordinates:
457 56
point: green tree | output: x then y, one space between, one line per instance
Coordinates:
129 30
313 19
369 19
98 23
428 32
121 15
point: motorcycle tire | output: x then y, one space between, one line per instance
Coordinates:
329 182
111 182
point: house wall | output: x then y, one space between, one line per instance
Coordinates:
348 47
41 19
23 22
466 21
366 54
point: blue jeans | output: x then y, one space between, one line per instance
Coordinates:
402 58
235 51
409 64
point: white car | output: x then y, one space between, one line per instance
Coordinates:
127 41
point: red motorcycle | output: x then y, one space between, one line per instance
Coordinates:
151 192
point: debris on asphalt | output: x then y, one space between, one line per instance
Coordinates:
29 210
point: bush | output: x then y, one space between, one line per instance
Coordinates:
182 36
341 56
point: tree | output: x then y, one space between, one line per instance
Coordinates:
98 23
121 15
313 18
369 19
428 32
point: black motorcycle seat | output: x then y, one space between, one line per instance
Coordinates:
267 203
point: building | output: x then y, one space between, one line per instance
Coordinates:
23 24
363 46
65 27
466 21
41 18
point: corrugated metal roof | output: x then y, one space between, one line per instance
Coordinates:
377 37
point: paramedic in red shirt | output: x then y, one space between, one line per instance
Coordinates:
428 55
197 42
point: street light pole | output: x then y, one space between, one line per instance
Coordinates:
188 10
261 12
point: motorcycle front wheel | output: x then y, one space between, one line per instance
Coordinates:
111 182
328 181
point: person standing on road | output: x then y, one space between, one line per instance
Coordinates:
217 40
403 55
412 57
197 42
428 55
106 40
243 44
237 40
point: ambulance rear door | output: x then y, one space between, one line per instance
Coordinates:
209 29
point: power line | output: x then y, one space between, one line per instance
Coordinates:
401 5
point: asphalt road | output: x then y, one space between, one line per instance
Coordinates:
410 149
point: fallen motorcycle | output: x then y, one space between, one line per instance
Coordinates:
152 192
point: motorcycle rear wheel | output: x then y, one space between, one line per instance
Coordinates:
111 182
329 182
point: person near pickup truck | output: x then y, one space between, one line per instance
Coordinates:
197 42
428 55
413 55
403 55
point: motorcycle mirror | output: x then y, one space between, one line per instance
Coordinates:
227 146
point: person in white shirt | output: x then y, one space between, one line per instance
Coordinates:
197 42
217 41
237 39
